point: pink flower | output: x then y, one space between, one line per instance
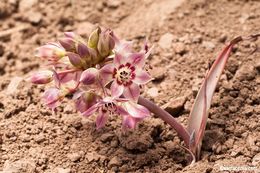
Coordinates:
52 96
131 112
51 52
105 108
127 74
136 113
41 77
84 100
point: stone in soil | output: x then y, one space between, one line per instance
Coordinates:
74 157
19 166
115 161
62 170
153 92
34 17
27 4
208 45
175 106
179 48
165 41
113 3
158 74
256 160
245 72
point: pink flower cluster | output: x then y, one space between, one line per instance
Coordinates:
102 73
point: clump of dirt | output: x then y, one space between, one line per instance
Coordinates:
187 36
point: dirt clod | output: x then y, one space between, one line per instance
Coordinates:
175 106
165 41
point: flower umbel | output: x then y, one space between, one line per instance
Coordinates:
102 73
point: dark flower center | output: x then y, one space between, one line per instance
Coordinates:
124 74
109 108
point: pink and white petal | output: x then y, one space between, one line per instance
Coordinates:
119 60
91 110
116 89
141 77
136 110
129 122
137 59
122 111
51 97
101 120
106 73
123 47
88 76
81 106
132 92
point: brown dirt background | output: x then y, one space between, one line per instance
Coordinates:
187 37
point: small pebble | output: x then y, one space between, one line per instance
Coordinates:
175 106
115 161
74 157
153 92
165 41
39 138
208 45
62 170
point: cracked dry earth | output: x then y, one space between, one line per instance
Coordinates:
187 36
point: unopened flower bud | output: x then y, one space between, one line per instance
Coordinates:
85 101
82 50
93 38
42 77
52 52
105 43
67 43
75 60
89 76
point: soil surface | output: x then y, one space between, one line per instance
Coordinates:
187 36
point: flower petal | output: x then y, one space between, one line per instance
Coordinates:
106 73
123 47
129 122
91 110
137 59
122 111
116 89
132 92
85 101
119 60
136 110
142 77
51 97
101 120
88 76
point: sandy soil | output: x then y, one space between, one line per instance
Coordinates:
187 36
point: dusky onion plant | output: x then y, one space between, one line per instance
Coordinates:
104 75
